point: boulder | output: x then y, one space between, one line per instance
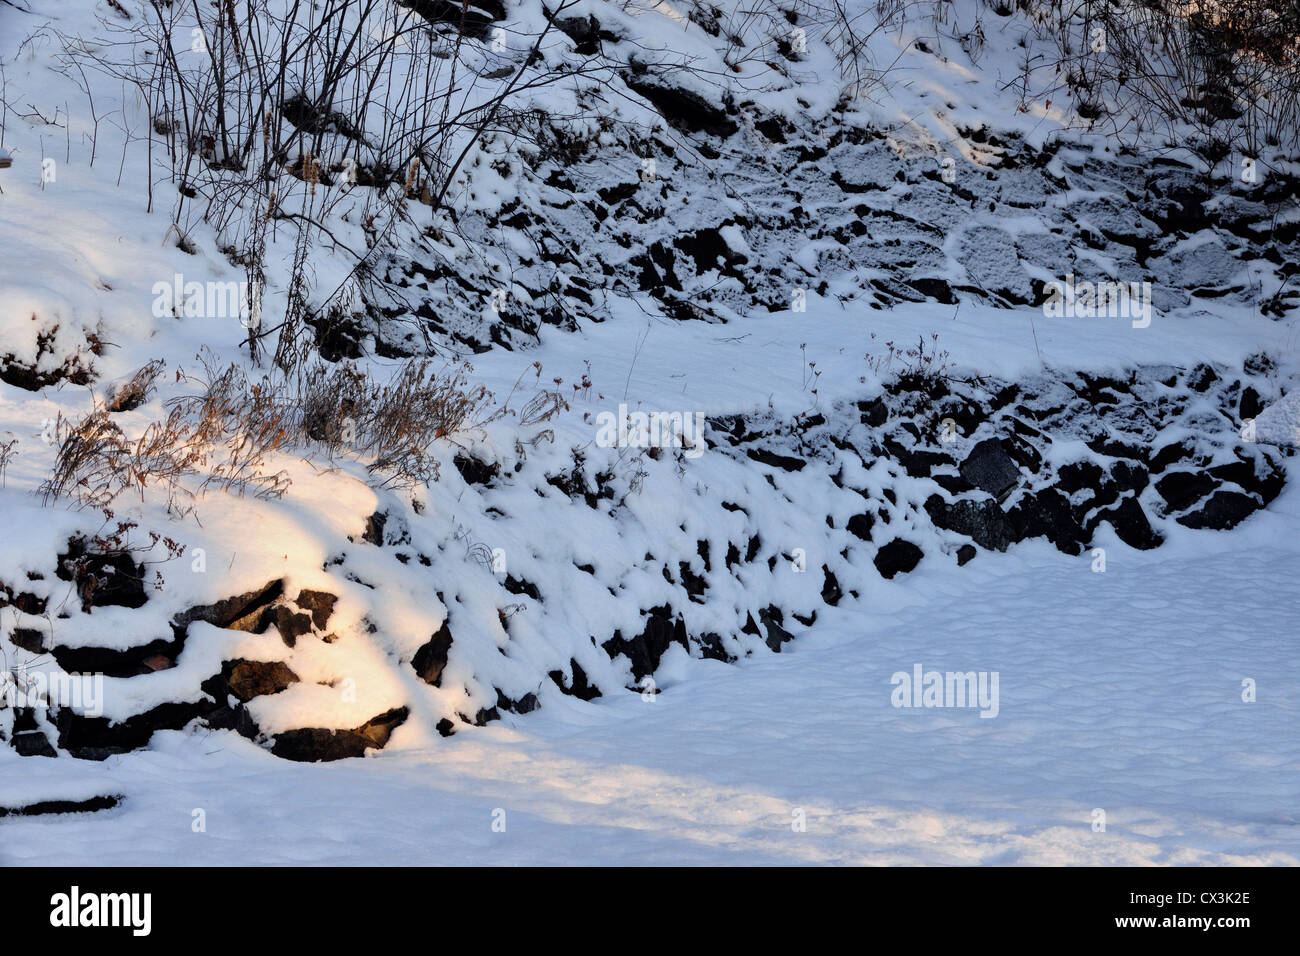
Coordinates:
320 604
314 744
982 521
897 557
1182 489
248 679
1224 510
989 468
431 658
1130 524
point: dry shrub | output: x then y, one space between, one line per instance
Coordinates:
223 433
97 462
136 390
1224 72
242 422
394 425
7 451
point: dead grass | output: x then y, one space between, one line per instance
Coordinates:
224 433
136 390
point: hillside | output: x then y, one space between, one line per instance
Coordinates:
588 413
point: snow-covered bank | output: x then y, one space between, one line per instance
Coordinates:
1119 691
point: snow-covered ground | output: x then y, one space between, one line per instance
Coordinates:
1160 696
1119 691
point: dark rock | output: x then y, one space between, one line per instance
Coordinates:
1022 452
23 601
683 109
1251 405
916 462
97 738
29 639
521 586
1177 451
860 525
785 462
934 288
374 532
733 555
524 705
953 484
314 744
709 251
712 649
242 612
289 623
319 603
989 468
1048 514
33 379
1201 378
1078 475
91 805
576 685
897 557
772 621
235 718
1118 449
248 679
773 128
475 471
1129 476
1225 509
473 19
1130 524
694 584
965 554
1244 474
110 579
981 520
585 32
874 413
33 743
1099 390
131 662
647 648
1182 489
430 660
831 592
1004 397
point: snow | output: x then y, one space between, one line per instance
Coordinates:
1280 422
1119 691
